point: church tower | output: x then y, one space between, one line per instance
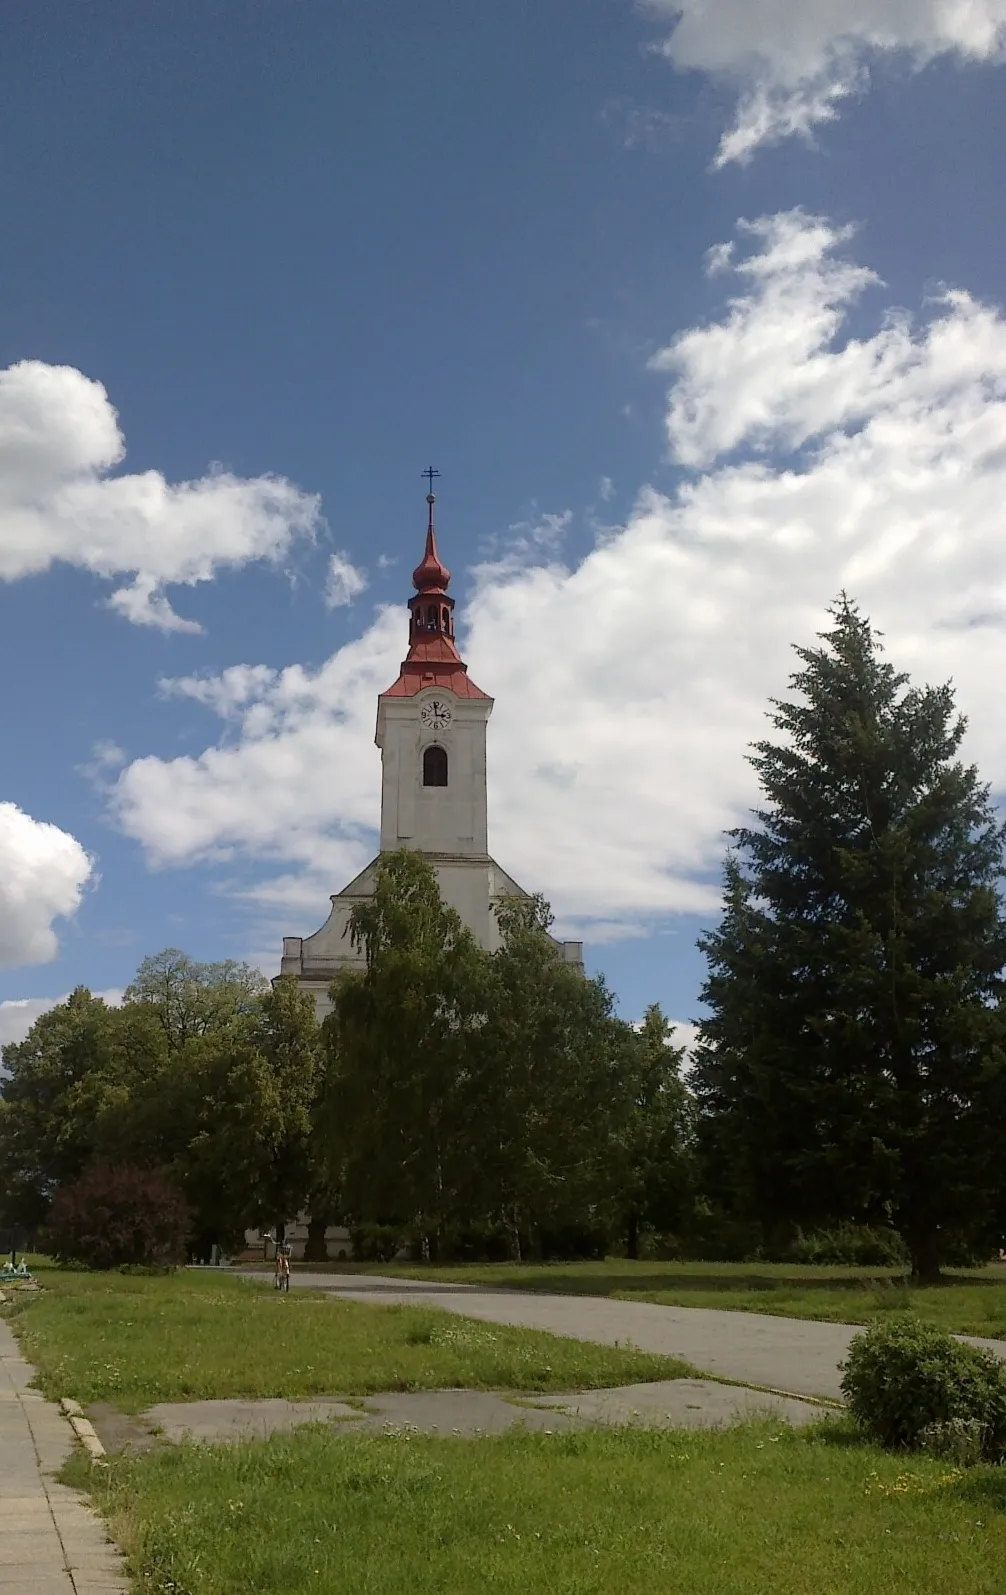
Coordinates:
431 730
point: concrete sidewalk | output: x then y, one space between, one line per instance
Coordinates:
800 1356
51 1542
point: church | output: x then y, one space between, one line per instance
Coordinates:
431 730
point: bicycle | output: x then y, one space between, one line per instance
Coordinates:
282 1276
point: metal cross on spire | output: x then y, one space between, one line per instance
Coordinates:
431 473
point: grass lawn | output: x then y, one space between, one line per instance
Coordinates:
135 1340
970 1302
756 1511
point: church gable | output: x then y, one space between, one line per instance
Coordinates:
332 940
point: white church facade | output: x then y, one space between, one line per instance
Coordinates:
431 730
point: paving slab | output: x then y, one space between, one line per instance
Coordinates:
796 1356
51 1541
672 1403
221 1421
121 1431
464 1413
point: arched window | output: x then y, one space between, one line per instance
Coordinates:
446 618
431 617
435 765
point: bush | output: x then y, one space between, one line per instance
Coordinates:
858 1245
713 1237
958 1250
477 1243
960 1441
376 1243
113 1217
912 1386
584 1242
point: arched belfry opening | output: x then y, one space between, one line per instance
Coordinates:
435 765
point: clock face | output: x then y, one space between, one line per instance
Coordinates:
436 715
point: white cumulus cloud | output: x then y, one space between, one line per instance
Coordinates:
345 581
629 685
60 439
43 873
794 61
297 785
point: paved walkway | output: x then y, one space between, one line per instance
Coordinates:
797 1355
676 1403
51 1543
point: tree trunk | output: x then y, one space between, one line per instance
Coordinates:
924 1251
316 1249
632 1239
513 1235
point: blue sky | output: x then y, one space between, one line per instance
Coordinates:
328 244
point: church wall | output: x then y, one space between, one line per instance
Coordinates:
434 819
467 888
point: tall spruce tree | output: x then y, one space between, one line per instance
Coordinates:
854 1064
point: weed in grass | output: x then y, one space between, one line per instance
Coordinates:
889 1296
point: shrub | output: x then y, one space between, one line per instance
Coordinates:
910 1385
376 1243
958 1250
959 1440
858 1245
584 1241
112 1217
714 1237
477 1243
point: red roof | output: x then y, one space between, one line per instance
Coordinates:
434 662
432 575
412 681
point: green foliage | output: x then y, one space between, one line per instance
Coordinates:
110 1218
853 1067
857 1245
658 1177
248 1157
376 1243
497 1093
68 1092
557 1082
399 1045
204 1071
910 1385
192 999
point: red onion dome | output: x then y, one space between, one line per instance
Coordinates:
432 572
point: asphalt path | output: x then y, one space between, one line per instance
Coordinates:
797 1356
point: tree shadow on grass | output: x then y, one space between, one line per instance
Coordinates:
840 1430
627 1285
893 1285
